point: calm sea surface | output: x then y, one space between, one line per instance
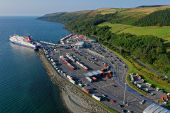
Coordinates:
24 84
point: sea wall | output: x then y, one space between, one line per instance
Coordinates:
75 100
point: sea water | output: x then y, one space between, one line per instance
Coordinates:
24 84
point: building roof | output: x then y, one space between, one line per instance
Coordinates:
92 73
80 43
155 108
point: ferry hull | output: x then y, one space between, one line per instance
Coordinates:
24 45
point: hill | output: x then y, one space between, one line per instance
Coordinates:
143 6
118 15
159 18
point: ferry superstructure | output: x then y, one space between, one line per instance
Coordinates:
23 41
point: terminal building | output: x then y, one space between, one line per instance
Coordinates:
155 108
82 44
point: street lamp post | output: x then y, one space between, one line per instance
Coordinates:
124 99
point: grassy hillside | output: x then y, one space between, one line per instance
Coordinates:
163 32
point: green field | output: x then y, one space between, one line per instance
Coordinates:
162 32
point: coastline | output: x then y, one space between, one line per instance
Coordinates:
75 100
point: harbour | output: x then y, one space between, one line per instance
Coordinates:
89 67
83 70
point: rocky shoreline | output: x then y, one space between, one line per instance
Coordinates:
75 100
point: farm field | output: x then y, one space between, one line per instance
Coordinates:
162 32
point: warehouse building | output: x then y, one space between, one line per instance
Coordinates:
155 108
93 73
80 44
